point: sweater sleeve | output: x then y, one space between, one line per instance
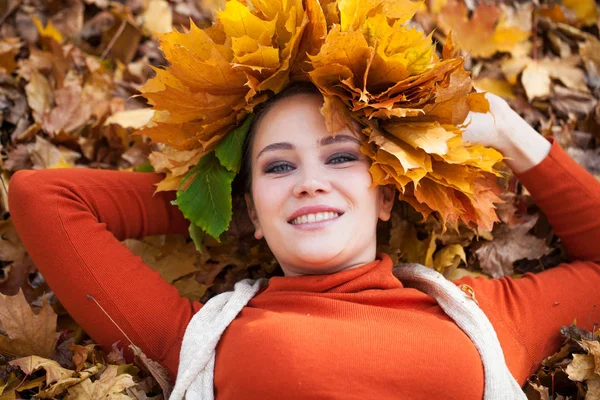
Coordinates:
71 222
528 312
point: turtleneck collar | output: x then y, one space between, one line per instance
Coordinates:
374 275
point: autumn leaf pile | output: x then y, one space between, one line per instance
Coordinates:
70 71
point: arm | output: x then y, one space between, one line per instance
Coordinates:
72 221
528 312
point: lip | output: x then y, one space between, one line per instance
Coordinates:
313 210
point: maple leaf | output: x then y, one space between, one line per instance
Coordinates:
510 243
110 385
27 332
171 257
585 367
487 31
54 371
63 384
537 74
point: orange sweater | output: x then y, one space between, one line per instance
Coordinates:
353 334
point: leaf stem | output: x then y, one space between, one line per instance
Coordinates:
89 296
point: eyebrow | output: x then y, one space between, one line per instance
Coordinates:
323 142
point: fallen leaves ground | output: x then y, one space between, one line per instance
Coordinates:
68 71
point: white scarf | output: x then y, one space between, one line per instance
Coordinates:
195 379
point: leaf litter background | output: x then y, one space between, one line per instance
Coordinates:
69 71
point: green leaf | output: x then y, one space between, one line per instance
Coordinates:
145 167
229 151
204 196
197 234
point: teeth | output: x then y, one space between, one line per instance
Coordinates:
310 218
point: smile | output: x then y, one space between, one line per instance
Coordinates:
311 218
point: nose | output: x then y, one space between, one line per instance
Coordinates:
312 183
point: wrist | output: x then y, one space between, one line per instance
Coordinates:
522 145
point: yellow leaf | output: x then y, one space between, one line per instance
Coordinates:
496 86
158 17
404 239
586 11
431 137
478 103
354 12
170 183
485 33
449 257
135 119
61 163
49 31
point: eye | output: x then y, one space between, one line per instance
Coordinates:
278 168
341 158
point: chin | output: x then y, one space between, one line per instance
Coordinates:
318 255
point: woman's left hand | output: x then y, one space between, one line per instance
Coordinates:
488 129
504 130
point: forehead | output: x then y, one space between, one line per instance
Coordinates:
296 119
291 118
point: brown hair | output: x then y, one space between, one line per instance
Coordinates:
259 112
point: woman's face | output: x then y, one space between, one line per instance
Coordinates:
312 198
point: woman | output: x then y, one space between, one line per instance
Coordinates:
339 324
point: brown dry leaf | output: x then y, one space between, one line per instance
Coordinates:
568 101
191 288
172 258
510 244
489 30
27 333
535 391
71 113
17 276
80 354
537 75
110 385
60 386
11 247
40 95
9 47
404 240
588 159
155 369
54 371
44 154
582 368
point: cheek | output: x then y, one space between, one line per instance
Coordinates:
269 195
358 185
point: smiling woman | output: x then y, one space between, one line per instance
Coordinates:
311 194
340 325
344 322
